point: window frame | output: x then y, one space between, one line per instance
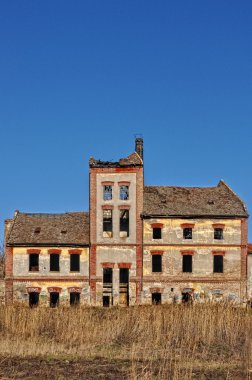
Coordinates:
158 263
32 256
216 265
72 257
52 256
185 257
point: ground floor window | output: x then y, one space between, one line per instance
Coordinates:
33 299
74 299
156 298
54 299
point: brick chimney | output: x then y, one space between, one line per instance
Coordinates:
139 146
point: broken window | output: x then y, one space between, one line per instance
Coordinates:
34 262
107 275
156 298
218 264
107 193
74 262
157 233
74 299
124 193
187 233
33 299
218 233
124 223
156 263
187 263
124 276
107 223
54 299
54 262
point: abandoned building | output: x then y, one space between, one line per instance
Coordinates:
137 244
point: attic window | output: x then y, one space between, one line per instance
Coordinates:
210 202
37 230
64 231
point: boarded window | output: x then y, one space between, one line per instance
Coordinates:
124 193
218 233
187 233
187 263
74 262
34 262
107 223
156 263
107 193
157 233
124 275
54 262
124 223
74 299
107 275
33 299
54 299
156 298
218 264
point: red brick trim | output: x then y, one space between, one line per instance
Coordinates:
54 289
32 250
156 252
187 225
124 265
107 183
124 183
31 289
124 207
8 264
222 253
108 265
51 278
107 207
187 252
74 289
157 290
75 251
218 225
51 251
157 225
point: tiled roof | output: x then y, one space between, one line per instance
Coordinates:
71 228
132 160
216 201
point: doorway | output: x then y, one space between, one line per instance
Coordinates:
33 299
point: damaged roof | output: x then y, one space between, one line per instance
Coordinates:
68 229
132 160
218 201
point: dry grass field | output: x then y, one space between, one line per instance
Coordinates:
147 342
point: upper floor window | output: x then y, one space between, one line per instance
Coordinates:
157 233
124 192
54 262
218 233
74 262
156 263
107 223
124 223
187 263
187 233
107 192
218 264
34 262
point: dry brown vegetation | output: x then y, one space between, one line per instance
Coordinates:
148 342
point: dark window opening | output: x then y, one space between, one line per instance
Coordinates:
107 193
124 223
156 263
187 263
124 275
37 230
34 262
218 264
106 301
54 262
186 297
156 298
33 299
107 275
74 299
107 222
187 233
124 193
157 233
74 262
54 299
218 233
64 231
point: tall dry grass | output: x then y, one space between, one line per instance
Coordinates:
154 342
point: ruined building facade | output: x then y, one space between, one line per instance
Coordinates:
137 244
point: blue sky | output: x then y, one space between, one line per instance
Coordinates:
80 78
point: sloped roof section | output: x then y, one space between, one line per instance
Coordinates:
218 201
71 228
132 160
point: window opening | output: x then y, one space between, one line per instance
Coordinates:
157 233
107 223
187 263
156 298
107 275
156 263
33 299
124 275
54 299
187 233
54 262
74 299
106 301
218 233
34 262
124 192
107 193
218 264
74 262
124 223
